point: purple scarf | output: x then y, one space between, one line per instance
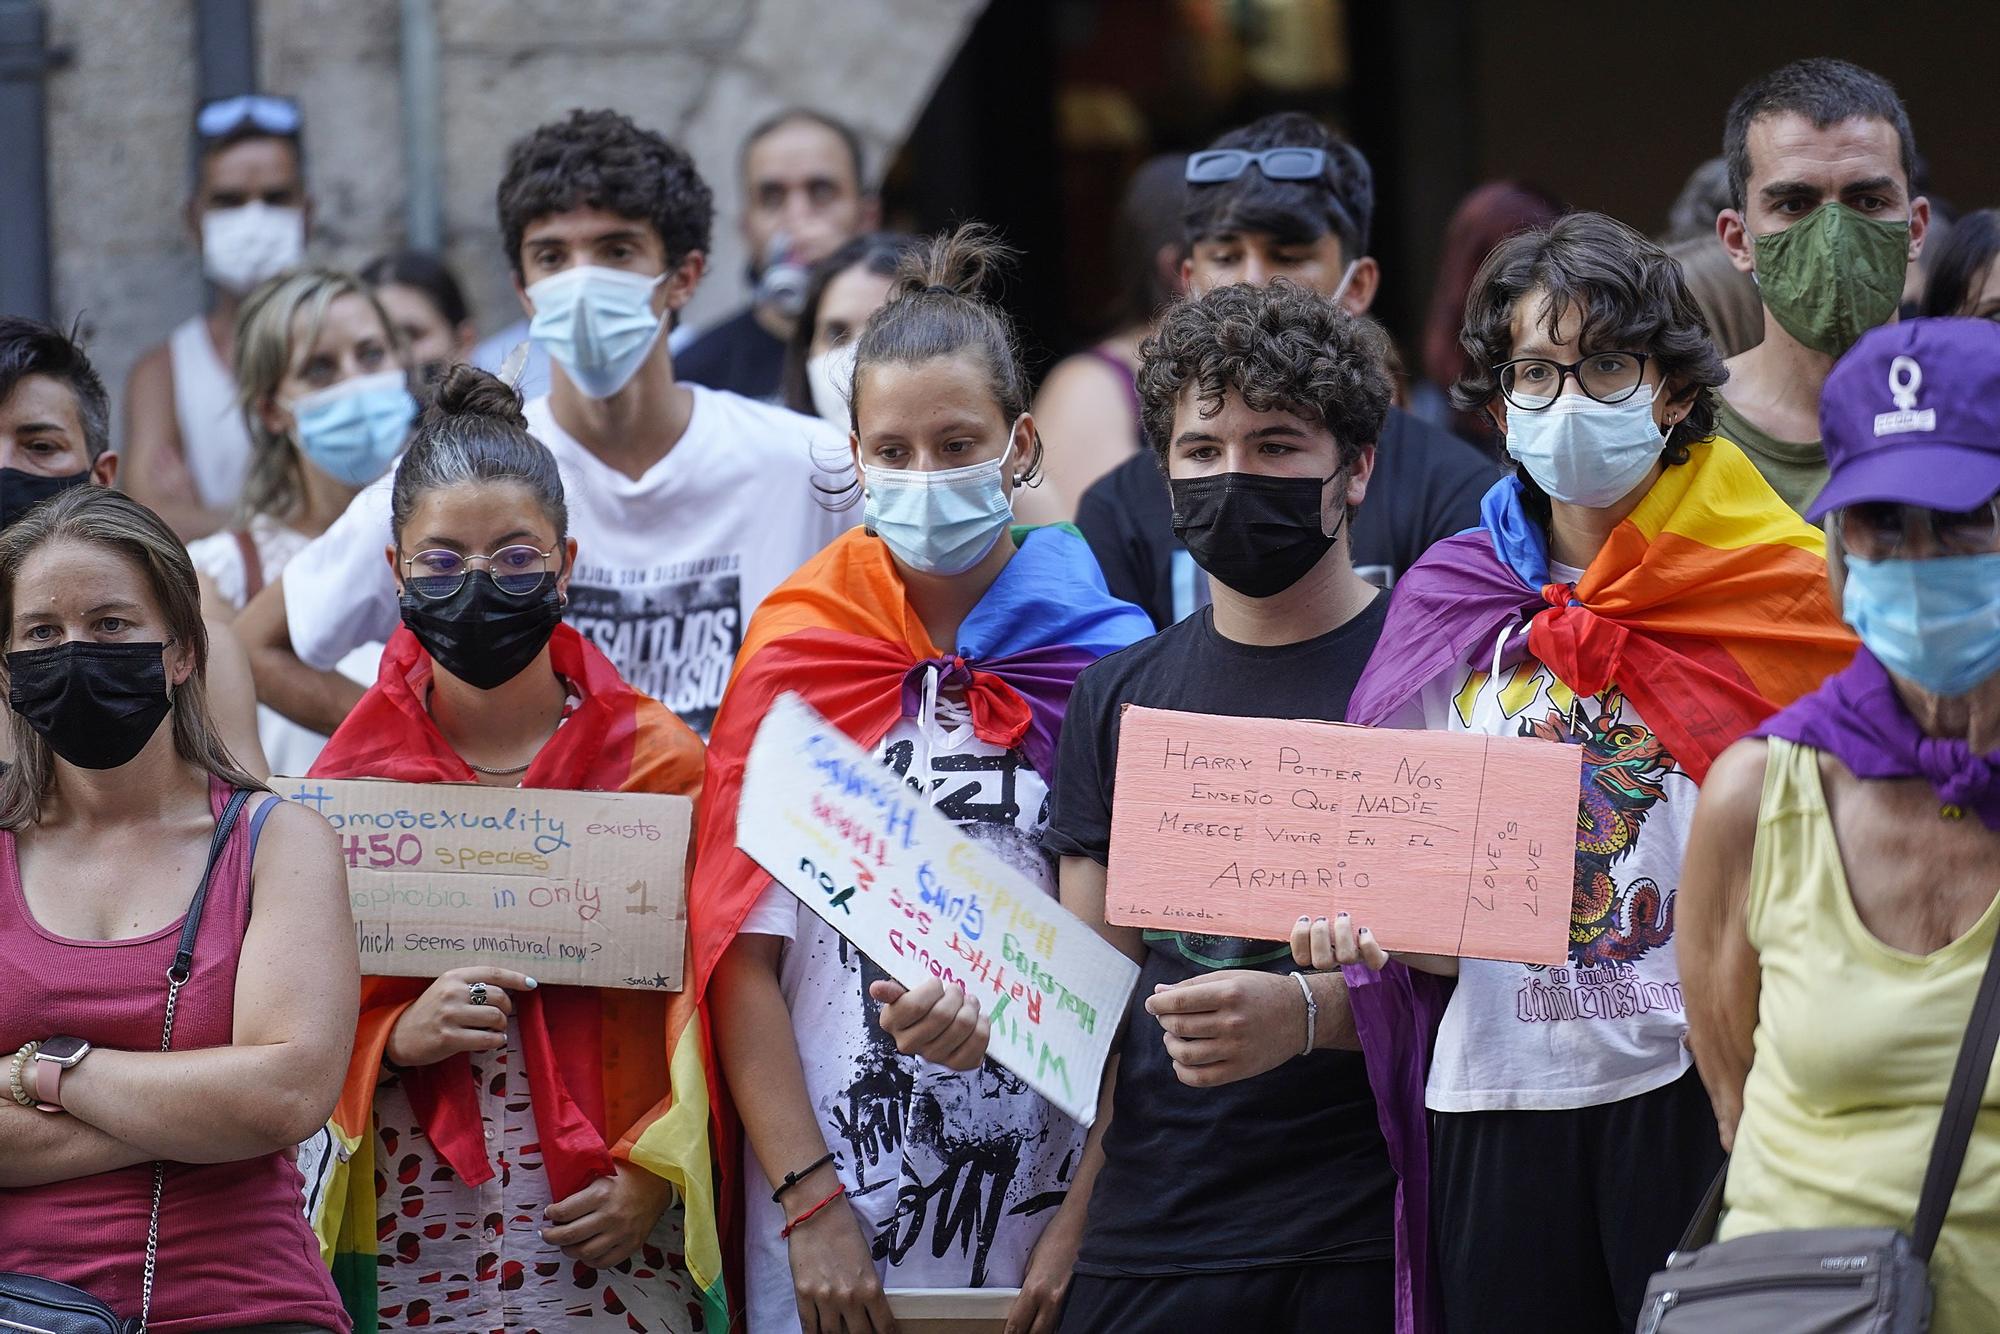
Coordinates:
1859 719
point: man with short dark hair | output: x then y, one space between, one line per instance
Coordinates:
804 196
1825 216
1237 1176
187 448
1284 197
688 504
55 433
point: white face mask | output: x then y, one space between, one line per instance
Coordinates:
830 376
241 247
1587 453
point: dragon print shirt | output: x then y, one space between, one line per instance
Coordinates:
1611 1024
952 1175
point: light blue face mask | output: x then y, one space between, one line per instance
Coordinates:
597 323
1935 622
352 431
1587 453
939 522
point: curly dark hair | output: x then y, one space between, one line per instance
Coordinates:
600 159
1342 201
1282 347
1633 296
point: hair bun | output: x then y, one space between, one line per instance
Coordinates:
467 391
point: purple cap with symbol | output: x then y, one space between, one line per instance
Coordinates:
1911 415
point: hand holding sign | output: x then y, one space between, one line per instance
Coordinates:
929 905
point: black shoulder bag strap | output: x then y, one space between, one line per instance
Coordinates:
1961 1108
177 975
1961 1111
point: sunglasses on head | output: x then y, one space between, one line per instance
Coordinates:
273 115
1215 165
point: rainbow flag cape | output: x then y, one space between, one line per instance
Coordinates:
1708 607
841 632
652 1105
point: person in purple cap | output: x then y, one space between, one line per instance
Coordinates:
1838 902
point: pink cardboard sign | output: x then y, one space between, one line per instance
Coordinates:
1440 842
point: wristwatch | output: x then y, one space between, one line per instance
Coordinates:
54 1056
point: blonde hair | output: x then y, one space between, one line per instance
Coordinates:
116 522
264 349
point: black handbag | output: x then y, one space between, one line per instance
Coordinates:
30 1305
1872 1280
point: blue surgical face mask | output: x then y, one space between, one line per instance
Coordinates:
1935 622
1587 453
352 431
597 323
939 522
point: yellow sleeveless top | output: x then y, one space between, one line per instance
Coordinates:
1855 1045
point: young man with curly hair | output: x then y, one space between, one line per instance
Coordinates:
1234 1179
689 504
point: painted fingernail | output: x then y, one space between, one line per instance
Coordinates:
1304 920
1366 932
532 984
1322 921
1339 915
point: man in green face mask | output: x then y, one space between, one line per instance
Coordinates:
1820 165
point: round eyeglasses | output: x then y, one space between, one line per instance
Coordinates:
1877 530
1530 384
518 571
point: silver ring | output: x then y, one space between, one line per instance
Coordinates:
477 992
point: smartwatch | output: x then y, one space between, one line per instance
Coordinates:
53 1057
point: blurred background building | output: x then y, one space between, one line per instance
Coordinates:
1029 113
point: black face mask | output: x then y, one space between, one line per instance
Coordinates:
22 491
1257 534
97 705
481 635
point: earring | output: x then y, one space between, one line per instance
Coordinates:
1018 477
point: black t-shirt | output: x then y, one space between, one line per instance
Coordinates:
1289 1167
739 355
1426 487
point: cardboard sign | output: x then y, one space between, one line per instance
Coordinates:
864 851
580 888
951 1310
1439 842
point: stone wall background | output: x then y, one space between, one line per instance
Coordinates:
702 72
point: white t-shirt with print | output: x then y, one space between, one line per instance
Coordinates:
1612 1023
669 565
952 1174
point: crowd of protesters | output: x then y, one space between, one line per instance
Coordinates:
1719 508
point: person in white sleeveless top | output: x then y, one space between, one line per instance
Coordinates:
187 451
324 393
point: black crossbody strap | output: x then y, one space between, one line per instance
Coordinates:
1961 1108
224 825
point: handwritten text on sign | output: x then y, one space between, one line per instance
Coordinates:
1442 843
863 850
584 888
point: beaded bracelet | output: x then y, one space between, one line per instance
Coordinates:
21 1059
788 1229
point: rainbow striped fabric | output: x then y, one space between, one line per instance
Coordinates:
1708 606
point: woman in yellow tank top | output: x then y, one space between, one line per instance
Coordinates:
1839 897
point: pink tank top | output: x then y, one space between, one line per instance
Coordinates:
234 1245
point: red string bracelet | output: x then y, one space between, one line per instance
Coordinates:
787 1230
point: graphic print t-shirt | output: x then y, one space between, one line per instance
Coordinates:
952 1174
669 565
1609 1025
1202 1180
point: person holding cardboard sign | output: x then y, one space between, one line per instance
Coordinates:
1636 589
531 1137
943 639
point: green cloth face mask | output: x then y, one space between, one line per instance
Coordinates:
1833 276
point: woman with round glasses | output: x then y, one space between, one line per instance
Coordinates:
1638 591
511 1138
1839 894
